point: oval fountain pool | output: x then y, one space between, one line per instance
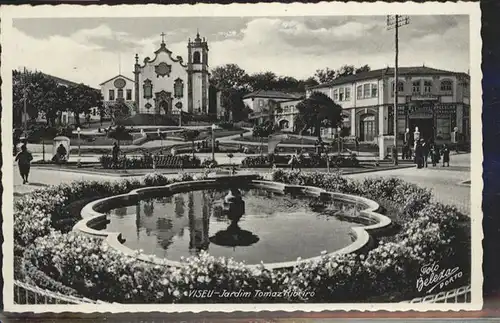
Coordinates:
274 227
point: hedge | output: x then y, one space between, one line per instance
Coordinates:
148 160
313 161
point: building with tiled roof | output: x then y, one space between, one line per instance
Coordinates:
434 100
261 102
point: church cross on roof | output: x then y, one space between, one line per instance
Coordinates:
162 37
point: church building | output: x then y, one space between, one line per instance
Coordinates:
166 84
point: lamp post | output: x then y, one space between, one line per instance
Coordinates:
394 22
213 141
78 130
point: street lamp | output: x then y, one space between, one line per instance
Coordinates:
78 130
213 141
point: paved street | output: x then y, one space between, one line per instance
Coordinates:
445 182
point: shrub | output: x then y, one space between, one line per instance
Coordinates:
313 161
155 179
209 163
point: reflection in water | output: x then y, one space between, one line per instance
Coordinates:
252 226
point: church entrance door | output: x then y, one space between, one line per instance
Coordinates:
164 106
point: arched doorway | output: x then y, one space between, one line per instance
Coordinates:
367 127
164 106
284 124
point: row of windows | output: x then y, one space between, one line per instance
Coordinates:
178 89
342 94
367 91
120 94
425 86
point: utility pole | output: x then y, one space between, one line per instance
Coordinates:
394 22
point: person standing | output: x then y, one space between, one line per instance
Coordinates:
425 153
418 154
115 152
24 159
446 155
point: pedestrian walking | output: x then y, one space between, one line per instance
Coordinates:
24 159
446 155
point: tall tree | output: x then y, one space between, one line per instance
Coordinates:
263 81
318 111
229 76
33 86
325 75
81 99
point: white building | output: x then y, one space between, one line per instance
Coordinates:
436 101
118 88
165 84
263 102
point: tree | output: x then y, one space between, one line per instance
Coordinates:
316 111
262 131
120 133
190 135
232 101
362 69
36 86
345 70
81 99
325 75
118 112
263 81
229 76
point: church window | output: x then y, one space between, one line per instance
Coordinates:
120 94
341 94
178 105
148 89
111 95
178 88
129 94
196 58
148 106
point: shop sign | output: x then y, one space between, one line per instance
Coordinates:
424 97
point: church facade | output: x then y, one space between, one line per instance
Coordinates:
166 84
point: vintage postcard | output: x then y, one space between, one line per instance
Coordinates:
301 157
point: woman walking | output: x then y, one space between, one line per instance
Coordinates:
24 159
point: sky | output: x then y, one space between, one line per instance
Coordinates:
93 50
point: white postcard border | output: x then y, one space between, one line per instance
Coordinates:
8 13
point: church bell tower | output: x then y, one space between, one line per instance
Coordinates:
198 75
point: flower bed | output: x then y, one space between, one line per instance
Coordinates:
313 161
148 161
429 232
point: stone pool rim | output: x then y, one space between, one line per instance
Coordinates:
364 234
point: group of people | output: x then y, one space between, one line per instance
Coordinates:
425 150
